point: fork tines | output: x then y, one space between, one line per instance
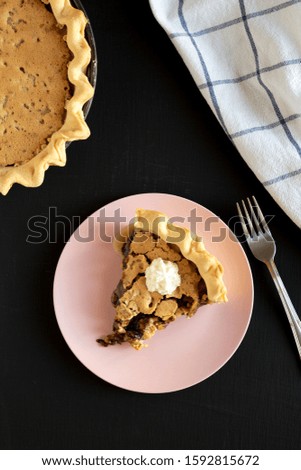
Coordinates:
250 218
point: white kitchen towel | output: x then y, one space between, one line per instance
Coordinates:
245 57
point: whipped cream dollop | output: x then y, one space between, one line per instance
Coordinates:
162 276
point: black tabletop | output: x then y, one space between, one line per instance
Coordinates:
151 131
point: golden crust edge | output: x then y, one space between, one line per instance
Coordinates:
32 172
208 265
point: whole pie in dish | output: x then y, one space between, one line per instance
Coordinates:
166 273
43 62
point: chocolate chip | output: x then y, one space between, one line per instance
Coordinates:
118 292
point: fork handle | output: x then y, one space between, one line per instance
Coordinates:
290 311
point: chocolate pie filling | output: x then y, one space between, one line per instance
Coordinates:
140 313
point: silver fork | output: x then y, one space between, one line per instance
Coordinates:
263 247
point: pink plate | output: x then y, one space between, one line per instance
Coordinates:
188 350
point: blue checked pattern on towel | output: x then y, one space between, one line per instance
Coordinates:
245 57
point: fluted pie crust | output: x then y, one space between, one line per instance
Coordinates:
140 313
30 171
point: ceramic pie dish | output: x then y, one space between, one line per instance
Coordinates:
47 75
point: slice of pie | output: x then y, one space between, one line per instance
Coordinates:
166 273
43 62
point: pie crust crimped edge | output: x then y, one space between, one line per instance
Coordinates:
32 172
191 248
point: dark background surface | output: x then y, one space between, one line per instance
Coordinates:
151 132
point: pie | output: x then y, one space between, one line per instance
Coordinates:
43 62
166 273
